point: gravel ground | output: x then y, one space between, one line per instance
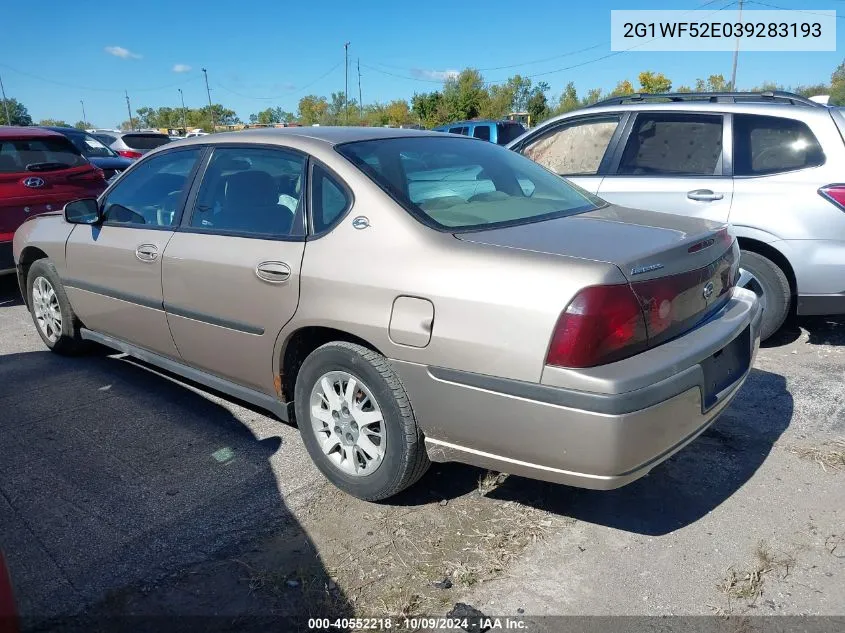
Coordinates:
125 491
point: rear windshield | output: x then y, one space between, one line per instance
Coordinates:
91 147
38 154
145 141
509 131
462 184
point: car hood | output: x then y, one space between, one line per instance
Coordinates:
114 162
643 244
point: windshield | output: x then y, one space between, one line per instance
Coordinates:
38 154
462 184
91 147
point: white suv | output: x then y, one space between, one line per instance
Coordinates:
770 163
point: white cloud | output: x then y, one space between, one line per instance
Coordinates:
437 75
123 53
181 68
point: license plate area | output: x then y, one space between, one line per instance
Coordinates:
725 367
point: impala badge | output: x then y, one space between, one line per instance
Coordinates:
646 269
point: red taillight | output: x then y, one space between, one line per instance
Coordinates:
6 237
128 153
600 325
834 193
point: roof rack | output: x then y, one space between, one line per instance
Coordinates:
770 96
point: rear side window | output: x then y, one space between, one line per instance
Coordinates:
251 191
482 132
328 199
145 141
105 138
574 148
459 130
674 145
769 144
38 154
508 132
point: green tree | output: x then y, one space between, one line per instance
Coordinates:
312 109
398 112
426 107
622 89
520 87
714 83
16 112
813 90
654 83
54 122
537 104
568 99
837 85
83 125
271 115
594 95
465 96
499 102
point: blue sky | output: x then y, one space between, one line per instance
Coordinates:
58 55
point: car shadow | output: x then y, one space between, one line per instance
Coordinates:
676 493
10 294
821 330
116 483
686 487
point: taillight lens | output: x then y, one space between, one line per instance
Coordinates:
6 237
128 153
600 325
834 193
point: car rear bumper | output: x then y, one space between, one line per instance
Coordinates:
820 305
601 438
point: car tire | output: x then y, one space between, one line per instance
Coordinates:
54 318
397 456
769 282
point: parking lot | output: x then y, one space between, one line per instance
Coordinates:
125 491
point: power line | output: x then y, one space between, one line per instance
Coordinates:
774 6
556 70
76 87
285 94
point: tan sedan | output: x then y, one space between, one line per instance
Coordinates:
406 296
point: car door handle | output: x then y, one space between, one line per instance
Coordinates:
274 272
147 252
704 195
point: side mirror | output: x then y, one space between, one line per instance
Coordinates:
85 211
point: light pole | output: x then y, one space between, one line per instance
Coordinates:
208 92
129 110
5 102
736 53
346 89
84 120
184 111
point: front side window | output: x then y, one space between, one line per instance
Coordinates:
38 154
575 148
457 184
151 194
769 145
674 145
251 191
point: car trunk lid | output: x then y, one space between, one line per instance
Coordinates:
681 269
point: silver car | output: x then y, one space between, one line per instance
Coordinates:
132 144
406 296
770 164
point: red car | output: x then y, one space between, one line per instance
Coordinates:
40 171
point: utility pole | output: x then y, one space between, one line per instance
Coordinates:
5 103
129 110
210 108
184 111
346 89
360 98
736 53
84 120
